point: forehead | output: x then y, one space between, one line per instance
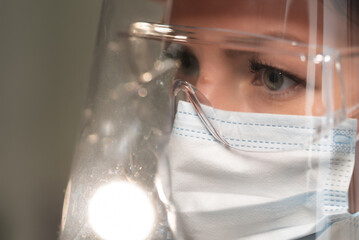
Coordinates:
282 18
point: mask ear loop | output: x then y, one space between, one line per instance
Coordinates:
193 96
352 112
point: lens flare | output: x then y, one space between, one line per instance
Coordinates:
120 210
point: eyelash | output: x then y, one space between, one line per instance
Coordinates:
257 65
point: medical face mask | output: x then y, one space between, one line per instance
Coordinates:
256 192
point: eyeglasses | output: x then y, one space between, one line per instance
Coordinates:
250 73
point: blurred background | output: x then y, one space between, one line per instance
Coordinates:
46 52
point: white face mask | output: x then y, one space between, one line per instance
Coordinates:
218 193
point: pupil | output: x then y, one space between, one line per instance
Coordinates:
273 79
186 60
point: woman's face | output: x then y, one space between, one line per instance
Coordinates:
239 80
270 83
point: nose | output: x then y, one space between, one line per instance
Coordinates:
218 81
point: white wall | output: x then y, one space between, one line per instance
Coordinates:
46 51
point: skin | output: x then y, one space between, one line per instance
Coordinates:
229 87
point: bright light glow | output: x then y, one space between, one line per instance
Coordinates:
147 77
143 26
163 29
120 210
327 58
318 59
180 37
303 58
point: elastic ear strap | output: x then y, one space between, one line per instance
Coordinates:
353 195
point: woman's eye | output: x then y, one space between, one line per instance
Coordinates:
275 80
188 62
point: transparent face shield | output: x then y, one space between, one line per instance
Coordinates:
209 120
